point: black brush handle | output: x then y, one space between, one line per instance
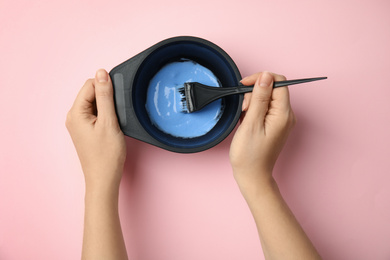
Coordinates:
201 95
277 84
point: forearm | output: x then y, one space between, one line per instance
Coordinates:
103 237
281 235
100 144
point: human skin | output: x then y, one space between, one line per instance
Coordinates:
101 147
266 123
256 145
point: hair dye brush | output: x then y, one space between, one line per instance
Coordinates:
196 95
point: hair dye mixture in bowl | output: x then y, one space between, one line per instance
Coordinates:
163 102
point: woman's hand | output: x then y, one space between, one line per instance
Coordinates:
255 147
266 124
93 126
100 144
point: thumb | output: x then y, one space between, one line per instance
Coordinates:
260 99
104 96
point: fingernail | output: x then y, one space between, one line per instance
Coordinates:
243 79
265 80
102 75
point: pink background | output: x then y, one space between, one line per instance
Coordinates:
333 172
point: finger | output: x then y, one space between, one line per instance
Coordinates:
85 99
250 80
104 96
261 97
279 77
242 116
246 101
281 96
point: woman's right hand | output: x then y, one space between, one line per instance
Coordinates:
266 124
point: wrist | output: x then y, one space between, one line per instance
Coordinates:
95 186
254 184
101 197
102 178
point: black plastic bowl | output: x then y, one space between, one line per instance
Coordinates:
131 80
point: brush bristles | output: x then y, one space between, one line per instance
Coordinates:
186 100
183 99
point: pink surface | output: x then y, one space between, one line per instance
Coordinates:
334 171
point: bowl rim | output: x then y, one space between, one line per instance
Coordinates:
137 63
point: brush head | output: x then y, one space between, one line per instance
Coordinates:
187 102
